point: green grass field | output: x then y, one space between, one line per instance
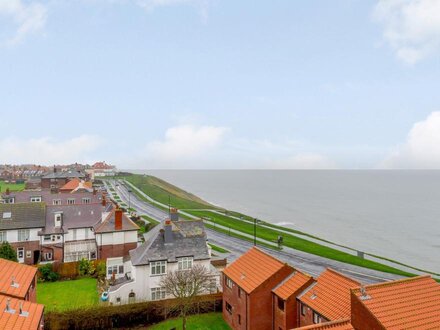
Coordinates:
65 295
11 186
218 248
212 321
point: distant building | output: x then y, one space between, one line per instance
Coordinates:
101 169
77 185
57 179
179 245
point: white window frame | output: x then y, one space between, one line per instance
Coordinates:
303 309
71 201
35 199
229 282
86 200
57 218
24 235
7 215
158 293
56 202
316 318
3 236
158 268
185 263
48 255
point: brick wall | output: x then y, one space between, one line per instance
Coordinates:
113 251
238 302
361 317
307 319
29 248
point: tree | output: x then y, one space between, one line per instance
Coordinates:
7 252
185 286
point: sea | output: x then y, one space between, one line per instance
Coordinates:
391 213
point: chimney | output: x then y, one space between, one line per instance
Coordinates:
118 219
174 214
54 169
104 201
168 231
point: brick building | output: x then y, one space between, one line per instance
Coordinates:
57 179
247 289
18 281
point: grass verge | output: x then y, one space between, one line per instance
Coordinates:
212 321
218 248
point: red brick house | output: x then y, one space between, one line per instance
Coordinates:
247 289
327 300
20 315
285 303
17 280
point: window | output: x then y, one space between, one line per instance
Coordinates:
23 235
158 268
74 234
86 233
115 269
228 308
158 293
46 237
35 199
185 263
228 282
58 218
3 236
316 318
86 200
280 304
7 215
71 201
239 292
303 310
28 254
56 202
239 319
48 256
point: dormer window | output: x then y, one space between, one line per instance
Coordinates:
35 199
71 201
56 202
86 200
58 219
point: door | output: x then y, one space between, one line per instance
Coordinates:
20 255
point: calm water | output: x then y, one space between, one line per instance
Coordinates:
391 213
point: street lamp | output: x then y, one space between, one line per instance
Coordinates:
129 199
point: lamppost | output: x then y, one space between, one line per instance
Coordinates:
255 231
129 200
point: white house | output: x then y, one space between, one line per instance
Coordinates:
179 245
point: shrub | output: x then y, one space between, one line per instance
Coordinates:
7 252
86 267
47 273
100 270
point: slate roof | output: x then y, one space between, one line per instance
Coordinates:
108 225
293 284
189 239
64 175
74 216
333 325
48 197
252 269
330 296
412 303
19 322
23 215
23 276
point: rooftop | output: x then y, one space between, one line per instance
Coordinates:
64 175
292 284
12 319
108 225
252 269
333 325
330 296
21 216
412 303
77 184
15 278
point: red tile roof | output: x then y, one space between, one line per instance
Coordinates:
412 303
252 269
333 325
23 277
330 296
76 183
16 321
292 285
108 225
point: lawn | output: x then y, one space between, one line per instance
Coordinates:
212 321
11 186
66 295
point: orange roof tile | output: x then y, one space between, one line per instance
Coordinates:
412 303
330 296
16 321
333 325
252 269
292 284
108 224
23 276
77 183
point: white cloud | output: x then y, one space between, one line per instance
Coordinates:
28 18
422 148
48 151
303 161
185 142
411 27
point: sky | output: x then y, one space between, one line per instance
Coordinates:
219 84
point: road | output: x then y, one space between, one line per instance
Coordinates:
309 263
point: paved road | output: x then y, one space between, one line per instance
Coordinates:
309 263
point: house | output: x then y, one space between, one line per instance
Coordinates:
115 235
19 225
76 185
344 324
285 303
20 315
57 179
412 303
50 198
247 289
101 169
18 307
327 300
178 245
18 281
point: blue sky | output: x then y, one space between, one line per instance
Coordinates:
221 84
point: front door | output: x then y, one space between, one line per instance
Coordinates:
20 255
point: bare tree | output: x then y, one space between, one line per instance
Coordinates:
185 286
